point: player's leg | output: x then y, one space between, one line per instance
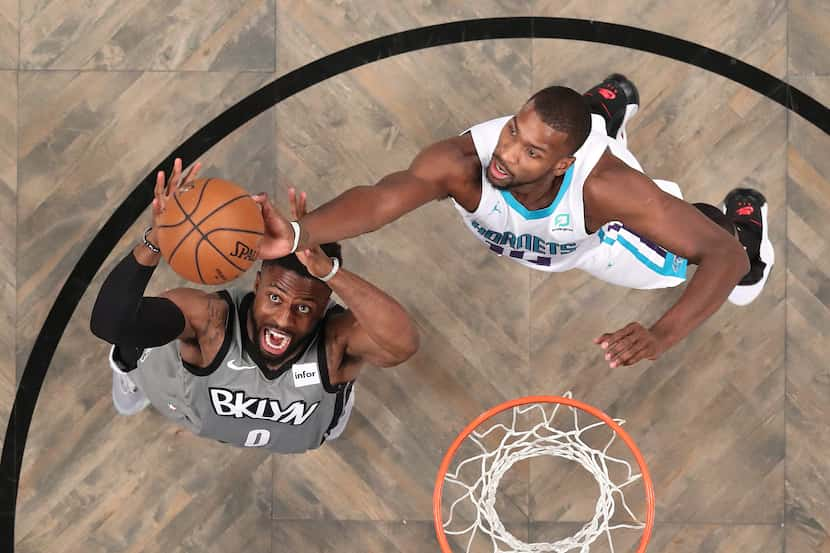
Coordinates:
746 209
127 397
744 214
717 216
616 99
627 259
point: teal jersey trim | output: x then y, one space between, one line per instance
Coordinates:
674 265
544 212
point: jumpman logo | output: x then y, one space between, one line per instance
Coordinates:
496 208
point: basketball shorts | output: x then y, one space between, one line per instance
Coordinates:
627 259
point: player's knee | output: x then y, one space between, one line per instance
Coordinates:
717 216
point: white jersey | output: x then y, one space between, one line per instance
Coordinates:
554 238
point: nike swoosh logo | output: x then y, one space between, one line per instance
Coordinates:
234 367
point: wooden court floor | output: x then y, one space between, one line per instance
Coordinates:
733 421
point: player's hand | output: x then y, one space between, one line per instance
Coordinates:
279 236
164 191
314 259
629 345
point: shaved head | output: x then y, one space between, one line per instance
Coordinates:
565 110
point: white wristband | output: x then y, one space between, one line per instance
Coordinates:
296 226
335 267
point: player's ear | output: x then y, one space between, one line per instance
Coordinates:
256 282
562 165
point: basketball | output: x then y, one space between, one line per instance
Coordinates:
210 232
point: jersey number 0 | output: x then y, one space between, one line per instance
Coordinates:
258 438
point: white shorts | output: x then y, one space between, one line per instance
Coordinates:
626 259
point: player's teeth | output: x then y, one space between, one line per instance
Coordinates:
275 339
269 339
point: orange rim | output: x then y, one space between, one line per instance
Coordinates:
445 463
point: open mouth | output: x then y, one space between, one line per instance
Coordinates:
498 171
273 341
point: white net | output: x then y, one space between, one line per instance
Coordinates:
484 472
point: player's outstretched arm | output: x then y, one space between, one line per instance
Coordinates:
431 176
633 199
375 330
122 315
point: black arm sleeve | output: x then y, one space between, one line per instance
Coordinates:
122 316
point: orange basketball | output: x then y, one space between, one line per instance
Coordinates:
210 233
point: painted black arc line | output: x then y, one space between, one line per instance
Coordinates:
304 77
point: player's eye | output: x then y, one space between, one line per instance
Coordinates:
512 128
531 152
304 309
274 298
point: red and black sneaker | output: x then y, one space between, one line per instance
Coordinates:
616 99
747 209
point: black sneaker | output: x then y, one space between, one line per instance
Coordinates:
617 100
747 209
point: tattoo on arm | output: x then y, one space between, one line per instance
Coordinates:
215 320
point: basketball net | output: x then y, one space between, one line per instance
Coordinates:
486 469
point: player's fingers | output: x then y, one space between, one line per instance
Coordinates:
264 203
614 337
302 210
312 254
175 180
175 175
158 190
634 355
602 340
298 205
616 347
632 328
192 172
620 356
608 338
292 202
159 187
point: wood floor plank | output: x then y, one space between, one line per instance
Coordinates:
681 538
8 240
808 22
808 323
149 35
8 34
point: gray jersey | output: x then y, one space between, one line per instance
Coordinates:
233 401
